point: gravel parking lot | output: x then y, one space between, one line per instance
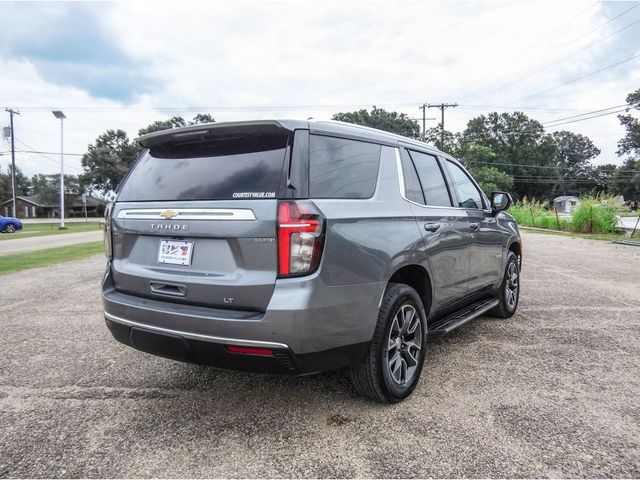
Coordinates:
553 391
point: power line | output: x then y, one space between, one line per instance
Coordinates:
588 118
528 166
548 124
537 42
548 66
580 78
549 35
48 158
45 153
481 90
586 113
424 107
463 106
477 135
293 107
604 24
442 107
223 108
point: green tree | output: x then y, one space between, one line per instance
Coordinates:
5 186
626 179
573 155
477 159
176 122
394 122
631 141
603 175
47 188
109 158
173 122
23 185
202 118
522 150
491 179
451 143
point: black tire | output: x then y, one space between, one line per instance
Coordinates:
10 228
507 296
372 377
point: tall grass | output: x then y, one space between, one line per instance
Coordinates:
537 214
591 217
594 215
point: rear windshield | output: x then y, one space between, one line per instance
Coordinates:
246 167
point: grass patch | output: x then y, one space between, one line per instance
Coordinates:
42 229
607 237
49 256
594 215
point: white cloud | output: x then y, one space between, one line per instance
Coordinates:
240 60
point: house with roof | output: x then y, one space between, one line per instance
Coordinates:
34 206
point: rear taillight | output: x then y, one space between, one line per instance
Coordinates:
300 238
108 247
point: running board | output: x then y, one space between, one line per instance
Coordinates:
453 321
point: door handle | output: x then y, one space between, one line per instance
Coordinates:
431 227
168 289
474 226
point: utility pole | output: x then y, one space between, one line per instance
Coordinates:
13 112
442 106
423 107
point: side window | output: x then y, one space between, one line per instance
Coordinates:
432 181
468 194
341 168
412 188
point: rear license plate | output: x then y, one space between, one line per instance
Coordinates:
175 252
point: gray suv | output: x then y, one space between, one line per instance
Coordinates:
298 247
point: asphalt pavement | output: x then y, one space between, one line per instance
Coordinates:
552 392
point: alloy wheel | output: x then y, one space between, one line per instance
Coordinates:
404 344
512 285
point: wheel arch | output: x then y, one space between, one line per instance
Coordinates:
515 246
418 278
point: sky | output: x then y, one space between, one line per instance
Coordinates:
110 65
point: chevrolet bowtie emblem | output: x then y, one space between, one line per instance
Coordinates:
168 214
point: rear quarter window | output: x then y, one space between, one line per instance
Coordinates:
342 168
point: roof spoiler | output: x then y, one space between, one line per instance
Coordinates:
213 130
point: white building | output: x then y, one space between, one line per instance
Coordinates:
566 203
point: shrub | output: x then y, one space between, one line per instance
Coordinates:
597 215
529 213
590 217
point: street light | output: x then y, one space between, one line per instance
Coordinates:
59 115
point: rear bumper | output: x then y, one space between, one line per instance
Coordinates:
309 327
212 351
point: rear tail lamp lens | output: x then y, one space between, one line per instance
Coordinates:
108 246
300 238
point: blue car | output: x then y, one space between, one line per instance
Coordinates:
9 224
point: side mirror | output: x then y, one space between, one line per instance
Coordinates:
500 201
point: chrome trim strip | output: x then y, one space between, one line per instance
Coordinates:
401 175
187 214
403 191
158 310
196 336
